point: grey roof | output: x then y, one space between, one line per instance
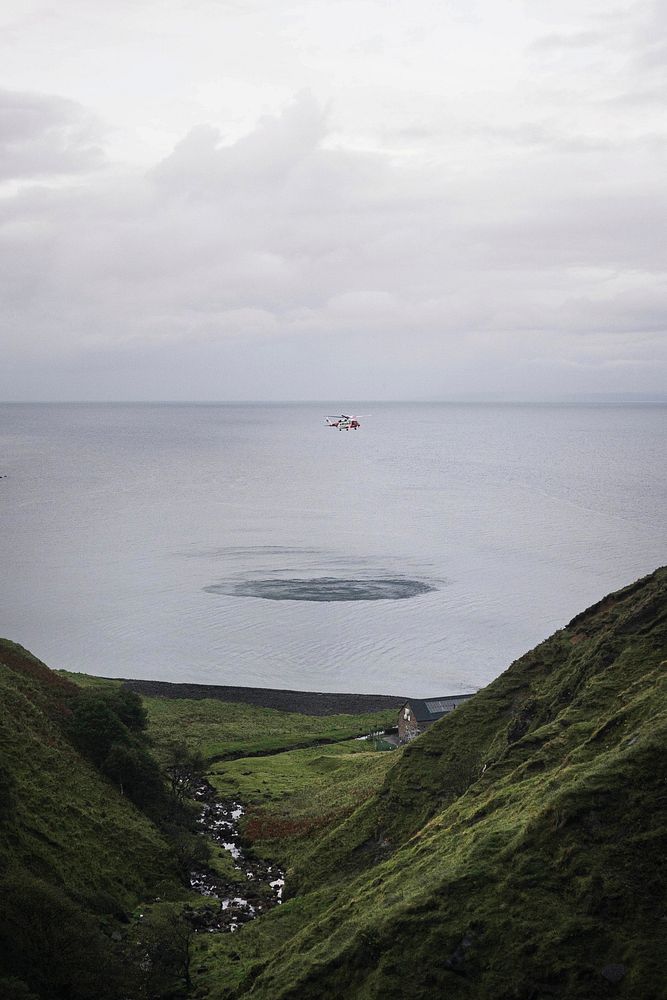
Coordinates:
430 709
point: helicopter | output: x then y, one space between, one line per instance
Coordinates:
343 422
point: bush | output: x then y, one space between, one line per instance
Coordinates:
95 726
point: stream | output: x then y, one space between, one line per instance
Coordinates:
259 885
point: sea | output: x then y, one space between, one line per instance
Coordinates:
250 544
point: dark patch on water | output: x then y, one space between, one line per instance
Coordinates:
323 588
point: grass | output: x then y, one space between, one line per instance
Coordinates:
75 855
219 729
88 680
514 851
67 823
288 793
292 797
222 729
74 849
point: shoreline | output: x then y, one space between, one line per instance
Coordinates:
284 700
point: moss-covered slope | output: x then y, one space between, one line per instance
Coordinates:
515 851
73 851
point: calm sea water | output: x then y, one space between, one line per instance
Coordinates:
242 543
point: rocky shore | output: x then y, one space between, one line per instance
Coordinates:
304 702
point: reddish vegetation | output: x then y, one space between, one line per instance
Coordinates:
265 826
52 693
22 662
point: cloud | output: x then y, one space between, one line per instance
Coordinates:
42 135
558 42
283 264
201 165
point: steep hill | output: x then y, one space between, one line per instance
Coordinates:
515 851
74 853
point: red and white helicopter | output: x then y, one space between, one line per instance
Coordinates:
344 423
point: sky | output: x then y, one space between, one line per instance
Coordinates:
261 199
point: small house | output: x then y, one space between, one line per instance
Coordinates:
418 714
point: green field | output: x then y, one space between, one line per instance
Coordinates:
219 729
294 798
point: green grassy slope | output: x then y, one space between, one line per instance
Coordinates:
514 851
73 851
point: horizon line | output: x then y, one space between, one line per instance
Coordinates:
490 398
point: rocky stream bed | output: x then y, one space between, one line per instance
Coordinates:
257 888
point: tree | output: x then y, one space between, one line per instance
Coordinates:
163 944
107 727
190 849
135 772
185 769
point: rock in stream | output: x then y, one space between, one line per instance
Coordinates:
259 886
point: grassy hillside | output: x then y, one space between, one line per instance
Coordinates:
293 795
514 851
76 856
74 853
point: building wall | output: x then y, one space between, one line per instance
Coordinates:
408 726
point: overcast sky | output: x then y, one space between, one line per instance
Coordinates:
340 199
